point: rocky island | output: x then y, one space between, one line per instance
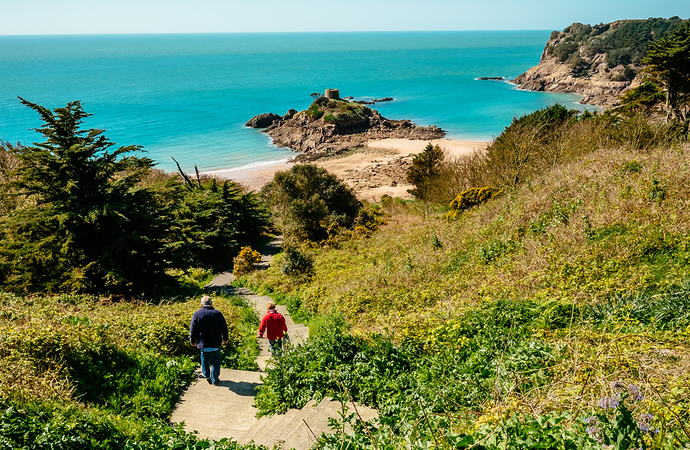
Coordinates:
601 62
331 126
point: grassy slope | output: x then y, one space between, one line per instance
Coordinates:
79 373
614 222
589 229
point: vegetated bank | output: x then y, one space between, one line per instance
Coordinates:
554 312
81 372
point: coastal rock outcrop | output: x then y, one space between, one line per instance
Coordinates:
596 89
263 120
600 62
332 126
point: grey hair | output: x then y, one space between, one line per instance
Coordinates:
206 301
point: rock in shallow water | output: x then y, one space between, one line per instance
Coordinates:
262 120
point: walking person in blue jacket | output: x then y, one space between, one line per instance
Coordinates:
207 331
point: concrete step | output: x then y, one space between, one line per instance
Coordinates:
320 423
273 430
219 411
302 435
276 435
268 423
248 435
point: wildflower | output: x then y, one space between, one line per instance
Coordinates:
634 392
610 402
595 433
643 426
592 420
643 423
646 417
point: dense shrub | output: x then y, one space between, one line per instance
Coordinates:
245 261
637 132
424 172
544 139
307 200
297 263
471 197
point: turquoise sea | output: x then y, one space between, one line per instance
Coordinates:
188 95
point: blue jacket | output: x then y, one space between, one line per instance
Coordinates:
208 328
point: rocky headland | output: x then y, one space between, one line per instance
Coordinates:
600 62
332 126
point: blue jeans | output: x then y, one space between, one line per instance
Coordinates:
276 346
210 365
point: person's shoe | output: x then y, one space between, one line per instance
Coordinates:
209 381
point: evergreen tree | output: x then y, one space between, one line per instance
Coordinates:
426 167
669 60
210 222
83 226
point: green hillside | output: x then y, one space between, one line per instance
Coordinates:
571 287
624 42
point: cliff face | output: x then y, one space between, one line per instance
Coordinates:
600 62
331 126
597 89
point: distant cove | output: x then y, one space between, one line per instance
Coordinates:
188 96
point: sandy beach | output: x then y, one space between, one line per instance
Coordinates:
452 147
252 178
377 170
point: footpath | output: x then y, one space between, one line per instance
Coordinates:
227 410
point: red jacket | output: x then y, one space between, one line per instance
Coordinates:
273 324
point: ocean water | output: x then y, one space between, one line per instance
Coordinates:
188 96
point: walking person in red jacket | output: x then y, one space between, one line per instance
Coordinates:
273 324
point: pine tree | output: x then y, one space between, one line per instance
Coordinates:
669 60
211 222
426 167
84 226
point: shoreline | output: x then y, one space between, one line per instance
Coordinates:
377 169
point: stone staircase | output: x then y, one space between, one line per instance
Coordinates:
227 410
298 333
299 428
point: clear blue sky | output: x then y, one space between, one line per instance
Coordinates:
227 16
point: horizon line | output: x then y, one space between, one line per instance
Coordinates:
133 33
266 32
